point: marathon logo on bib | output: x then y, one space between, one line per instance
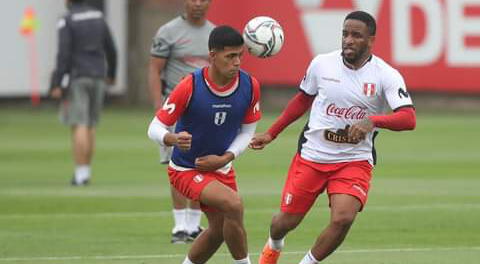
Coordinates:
369 89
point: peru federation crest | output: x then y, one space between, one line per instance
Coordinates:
220 118
369 89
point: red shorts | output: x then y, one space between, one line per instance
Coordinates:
192 182
306 180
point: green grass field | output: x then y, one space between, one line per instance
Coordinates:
424 206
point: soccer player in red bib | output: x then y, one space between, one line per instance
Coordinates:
216 110
349 92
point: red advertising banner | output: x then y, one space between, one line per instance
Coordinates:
435 44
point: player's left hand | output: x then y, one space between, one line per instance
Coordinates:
211 162
56 93
359 130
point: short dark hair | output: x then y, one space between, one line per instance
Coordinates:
224 36
365 18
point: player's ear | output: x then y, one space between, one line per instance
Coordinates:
371 40
212 53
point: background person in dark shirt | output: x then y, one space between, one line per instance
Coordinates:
84 44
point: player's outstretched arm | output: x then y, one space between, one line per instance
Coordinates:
295 108
402 119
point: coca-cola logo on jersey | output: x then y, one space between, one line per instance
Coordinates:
354 112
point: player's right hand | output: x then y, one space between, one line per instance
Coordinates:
259 141
56 93
184 141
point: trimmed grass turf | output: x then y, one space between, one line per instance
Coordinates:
424 206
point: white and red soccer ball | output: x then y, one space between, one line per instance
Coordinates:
263 36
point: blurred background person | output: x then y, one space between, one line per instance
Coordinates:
84 42
179 48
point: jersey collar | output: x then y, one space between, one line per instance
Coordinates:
349 66
220 90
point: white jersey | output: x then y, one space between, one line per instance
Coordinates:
343 97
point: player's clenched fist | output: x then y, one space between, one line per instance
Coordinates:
184 141
359 130
259 141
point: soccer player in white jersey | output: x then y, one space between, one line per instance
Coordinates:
179 48
349 91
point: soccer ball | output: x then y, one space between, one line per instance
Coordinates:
263 36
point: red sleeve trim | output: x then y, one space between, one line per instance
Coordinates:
254 113
297 106
177 102
402 119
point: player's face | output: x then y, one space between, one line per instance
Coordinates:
196 9
356 41
227 61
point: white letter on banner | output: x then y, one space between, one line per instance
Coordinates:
404 53
460 26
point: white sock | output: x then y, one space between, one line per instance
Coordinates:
309 259
242 261
187 261
82 173
276 244
193 219
180 217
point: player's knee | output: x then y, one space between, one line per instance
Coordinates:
214 233
233 206
342 220
286 223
